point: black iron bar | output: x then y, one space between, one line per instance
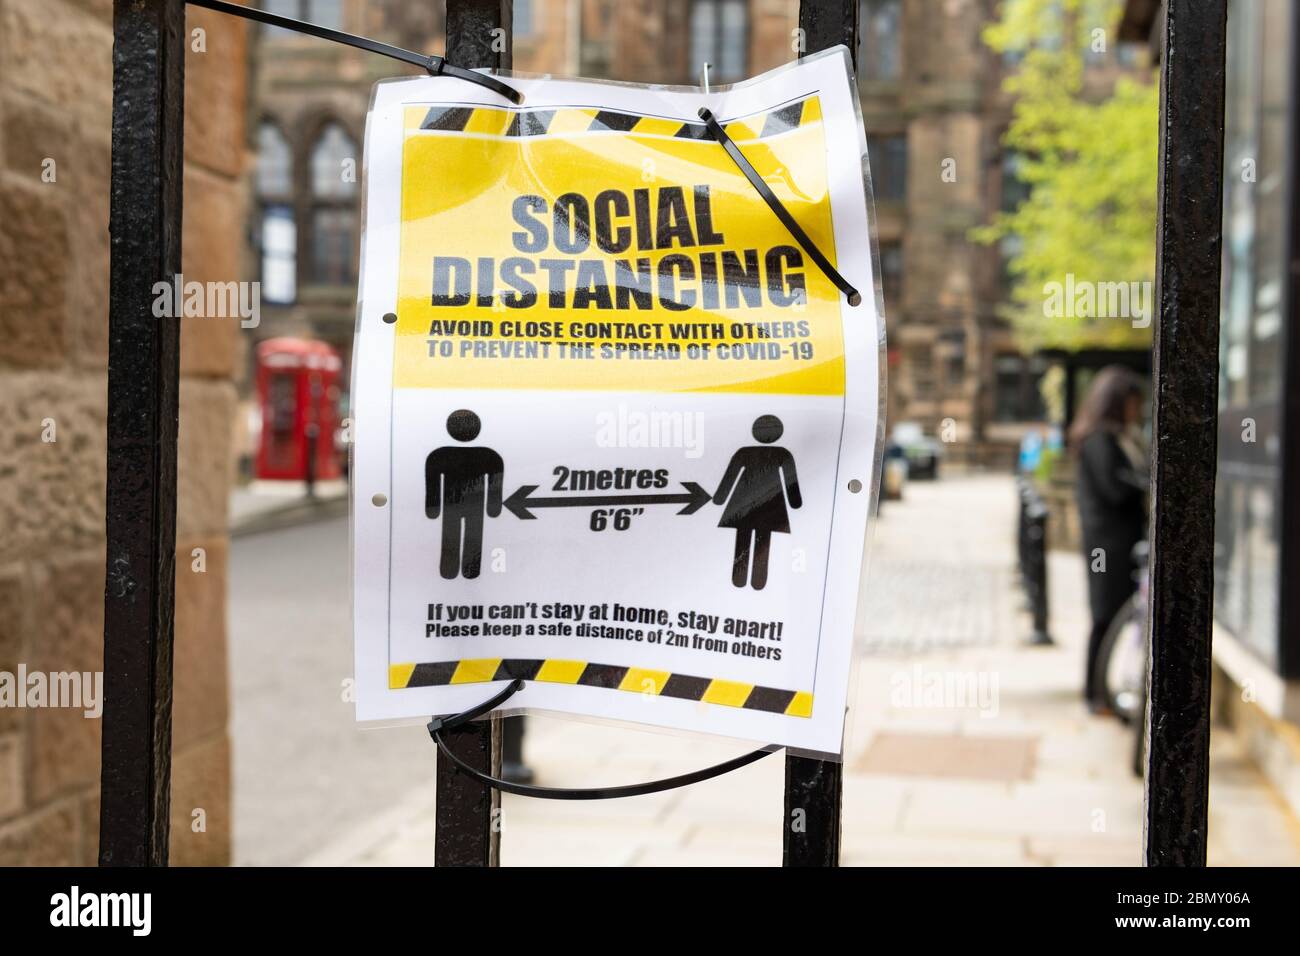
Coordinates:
143 390
814 788
1288 617
1185 388
480 33
1035 518
467 827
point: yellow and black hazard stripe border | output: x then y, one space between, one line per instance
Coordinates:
523 123
607 676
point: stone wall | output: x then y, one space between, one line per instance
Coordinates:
55 103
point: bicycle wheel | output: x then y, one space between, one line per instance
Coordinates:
1120 668
1140 736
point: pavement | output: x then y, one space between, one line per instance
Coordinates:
272 505
965 746
302 771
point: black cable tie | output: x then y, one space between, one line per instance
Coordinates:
438 68
719 134
438 724
464 717
482 79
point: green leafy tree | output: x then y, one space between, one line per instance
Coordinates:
1089 165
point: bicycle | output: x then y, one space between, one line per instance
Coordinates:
1121 666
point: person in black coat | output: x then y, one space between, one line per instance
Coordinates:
1110 486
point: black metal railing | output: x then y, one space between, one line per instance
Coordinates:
1185 393
1031 549
143 385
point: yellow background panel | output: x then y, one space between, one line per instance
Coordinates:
457 196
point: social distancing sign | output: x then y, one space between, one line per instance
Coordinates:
615 428
630 239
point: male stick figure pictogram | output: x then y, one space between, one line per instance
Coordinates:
460 484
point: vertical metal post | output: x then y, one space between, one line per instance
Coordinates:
828 23
479 33
1071 383
1186 377
467 829
1288 616
143 387
1036 580
814 788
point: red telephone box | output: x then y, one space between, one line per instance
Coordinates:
297 388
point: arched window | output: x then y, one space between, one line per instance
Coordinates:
879 44
333 164
334 172
277 232
888 153
719 37
274 162
1014 192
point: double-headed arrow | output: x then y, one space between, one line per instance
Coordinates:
519 504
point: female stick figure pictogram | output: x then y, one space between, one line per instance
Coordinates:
763 476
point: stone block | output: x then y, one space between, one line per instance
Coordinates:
201 781
33 134
47 838
63 742
90 828
215 92
14 626
51 493
35 256
100 9
88 291
61 55
211 251
200 680
11 775
204 470
13 616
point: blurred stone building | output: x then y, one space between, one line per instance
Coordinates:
931 100
55 100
